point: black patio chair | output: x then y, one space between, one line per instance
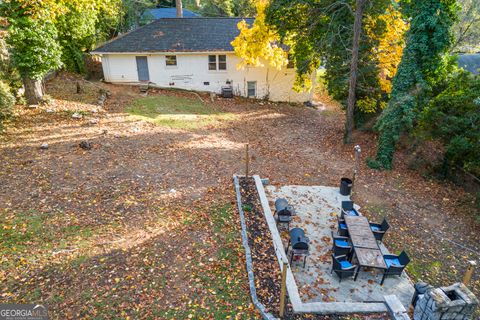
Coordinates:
348 209
395 264
342 267
341 246
379 229
342 228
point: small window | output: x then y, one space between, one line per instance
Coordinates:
212 62
171 60
251 88
222 62
291 63
206 83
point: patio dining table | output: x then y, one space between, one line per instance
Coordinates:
364 244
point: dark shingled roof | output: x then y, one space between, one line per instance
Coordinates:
178 35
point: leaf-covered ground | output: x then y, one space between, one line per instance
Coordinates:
143 226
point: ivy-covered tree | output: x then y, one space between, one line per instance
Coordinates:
424 64
32 38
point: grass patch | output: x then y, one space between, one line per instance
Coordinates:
321 92
216 288
424 270
30 237
329 113
222 278
177 112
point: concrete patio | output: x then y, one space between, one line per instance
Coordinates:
317 209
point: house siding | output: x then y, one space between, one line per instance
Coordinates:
192 72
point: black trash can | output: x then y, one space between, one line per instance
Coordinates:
345 186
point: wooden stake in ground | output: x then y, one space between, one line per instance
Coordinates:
247 158
469 272
358 150
283 289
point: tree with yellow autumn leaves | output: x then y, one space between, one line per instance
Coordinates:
390 45
320 33
259 44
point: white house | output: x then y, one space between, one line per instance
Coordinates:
193 54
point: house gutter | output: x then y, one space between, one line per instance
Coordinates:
161 52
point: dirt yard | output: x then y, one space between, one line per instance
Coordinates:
142 224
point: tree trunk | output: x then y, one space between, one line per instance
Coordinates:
178 5
33 90
357 30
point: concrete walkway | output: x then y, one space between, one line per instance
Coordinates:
317 209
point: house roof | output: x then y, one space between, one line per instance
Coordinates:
178 35
159 13
470 62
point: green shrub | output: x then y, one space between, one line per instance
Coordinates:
46 100
21 101
453 117
7 100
